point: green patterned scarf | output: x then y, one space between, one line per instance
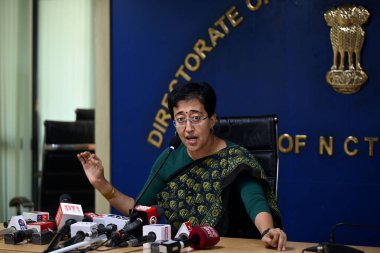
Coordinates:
200 192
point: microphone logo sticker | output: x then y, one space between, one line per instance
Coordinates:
153 220
22 224
346 75
72 208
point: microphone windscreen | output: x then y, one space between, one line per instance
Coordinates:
174 142
147 213
208 237
65 198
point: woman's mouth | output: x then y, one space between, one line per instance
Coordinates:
191 140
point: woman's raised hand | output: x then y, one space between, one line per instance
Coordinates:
93 167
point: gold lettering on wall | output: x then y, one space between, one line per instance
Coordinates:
350 145
192 58
181 73
371 141
300 142
346 144
323 145
200 47
214 36
193 61
289 139
172 84
220 22
164 101
155 138
160 125
256 7
233 17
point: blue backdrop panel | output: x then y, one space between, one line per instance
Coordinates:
274 61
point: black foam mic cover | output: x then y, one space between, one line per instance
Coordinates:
65 198
174 142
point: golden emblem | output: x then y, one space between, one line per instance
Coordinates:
347 37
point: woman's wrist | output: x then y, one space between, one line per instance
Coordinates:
266 231
105 188
110 194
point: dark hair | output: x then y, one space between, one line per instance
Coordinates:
193 90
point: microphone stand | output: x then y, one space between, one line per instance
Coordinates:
174 143
348 224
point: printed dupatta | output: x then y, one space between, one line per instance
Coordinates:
201 191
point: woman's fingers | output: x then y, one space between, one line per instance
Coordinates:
275 238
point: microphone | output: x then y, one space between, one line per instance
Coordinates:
42 226
149 214
141 215
150 237
67 210
184 230
67 215
107 223
43 237
201 237
65 198
107 219
6 231
161 231
36 216
347 224
174 144
118 237
60 234
88 228
17 222
82 230
19 236
106 230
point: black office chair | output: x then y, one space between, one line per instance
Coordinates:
62 172
84 114
258 134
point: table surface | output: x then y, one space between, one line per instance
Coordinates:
225 245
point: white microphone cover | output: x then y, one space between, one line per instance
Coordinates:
107 219
162 232
89 228
36 216
18 222
184 230
68 211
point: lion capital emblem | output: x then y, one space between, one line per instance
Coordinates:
347 37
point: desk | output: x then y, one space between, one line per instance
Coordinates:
226 245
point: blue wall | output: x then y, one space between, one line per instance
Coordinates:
274 61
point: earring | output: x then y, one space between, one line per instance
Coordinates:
212 130
175 133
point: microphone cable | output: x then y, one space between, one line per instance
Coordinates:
348 224
174 144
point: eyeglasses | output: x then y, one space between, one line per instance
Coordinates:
194 120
